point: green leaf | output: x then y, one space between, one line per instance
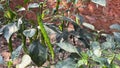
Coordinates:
97 52
84 55
29 32
33 5
111 58
57 7
26 1
1 7
117 36
9 30
115 66
90 26
82 62
16 52
49 30
67 63
75 1
95 45
38 53
19 22
118 56
1 30
9 64
26 60
102 61
67 19
45 35
107 45
80 18
21 9
115 26
68 47
1 60
96 48
10 14
76 26
100 2
90 53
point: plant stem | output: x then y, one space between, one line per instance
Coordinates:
23 39
24 44
45 35
10 45
57 7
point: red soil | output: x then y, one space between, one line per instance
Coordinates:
101 17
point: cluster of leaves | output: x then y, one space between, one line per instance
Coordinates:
93 52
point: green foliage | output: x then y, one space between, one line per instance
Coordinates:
1 60
100 2
65 46
45 36
38 53
67 63
16 52
91 52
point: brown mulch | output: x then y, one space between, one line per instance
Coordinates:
100 17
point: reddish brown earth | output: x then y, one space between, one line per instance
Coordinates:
101 17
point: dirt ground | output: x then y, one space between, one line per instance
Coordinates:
100 17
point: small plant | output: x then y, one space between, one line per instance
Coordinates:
82 47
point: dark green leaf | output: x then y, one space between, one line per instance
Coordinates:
68 47
16 52
108 45
90 26
1 30
33 5
38 53
21 9
76 26
96 48
117 36
9 30
80 18
90 53
67 19
68 63
26 1
52 27
30 32
115 26
100 2
102 61
75 1
62 37
1 60
49 30
95 45
1 7
118 56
